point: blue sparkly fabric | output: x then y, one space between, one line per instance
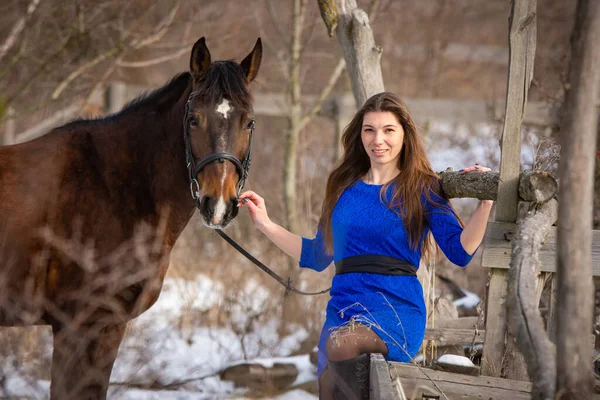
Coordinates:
392 305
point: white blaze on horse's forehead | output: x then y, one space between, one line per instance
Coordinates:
224 108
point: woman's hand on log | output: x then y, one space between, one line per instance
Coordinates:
475 168
478 168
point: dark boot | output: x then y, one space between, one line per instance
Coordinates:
350 378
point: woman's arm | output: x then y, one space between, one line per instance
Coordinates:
474 230
290 243
472 235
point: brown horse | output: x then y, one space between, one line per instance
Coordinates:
90 211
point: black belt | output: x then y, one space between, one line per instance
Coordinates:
375 264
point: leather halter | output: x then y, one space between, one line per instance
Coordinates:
194 165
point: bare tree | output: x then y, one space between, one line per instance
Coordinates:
574 264
362 55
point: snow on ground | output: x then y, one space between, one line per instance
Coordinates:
162 346
455 360
470 300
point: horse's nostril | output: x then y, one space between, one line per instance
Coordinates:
207 205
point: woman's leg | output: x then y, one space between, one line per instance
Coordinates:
353 340
325 386
348 368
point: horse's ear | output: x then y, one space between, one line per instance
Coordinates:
251 63
200 60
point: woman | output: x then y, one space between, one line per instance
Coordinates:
381 202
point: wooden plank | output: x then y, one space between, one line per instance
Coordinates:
379 379
417 381
456 386
497 248
448 337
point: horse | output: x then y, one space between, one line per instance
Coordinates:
90 212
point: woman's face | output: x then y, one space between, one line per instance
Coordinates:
382 137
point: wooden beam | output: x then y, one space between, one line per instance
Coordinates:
522 43
497 248
380 382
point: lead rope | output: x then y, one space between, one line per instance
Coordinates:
287 284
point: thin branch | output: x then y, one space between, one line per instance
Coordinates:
18 28
283 64
99 84
41 69
154 61
120 47
160 31
276 24
337 72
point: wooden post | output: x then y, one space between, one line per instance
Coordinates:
116 97
9 133
522 40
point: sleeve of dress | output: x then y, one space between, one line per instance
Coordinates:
446 230
314 254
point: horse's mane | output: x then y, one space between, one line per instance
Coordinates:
161 97
225 79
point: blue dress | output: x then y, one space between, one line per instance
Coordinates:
392 305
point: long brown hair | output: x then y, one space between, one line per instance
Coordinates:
416 177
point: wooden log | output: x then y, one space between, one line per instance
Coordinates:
525 320
533 186
497 247
380 382
537 187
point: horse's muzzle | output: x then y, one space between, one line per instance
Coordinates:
217 213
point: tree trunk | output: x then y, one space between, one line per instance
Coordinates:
291 137
362 55
578 143
525 320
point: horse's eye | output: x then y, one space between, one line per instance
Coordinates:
193 121
250 125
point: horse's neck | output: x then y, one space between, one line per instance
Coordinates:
165 166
